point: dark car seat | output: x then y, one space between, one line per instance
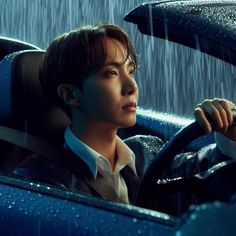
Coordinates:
24 108
10 45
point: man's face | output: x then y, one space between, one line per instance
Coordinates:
109 96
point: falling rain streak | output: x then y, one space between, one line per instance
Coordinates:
171 78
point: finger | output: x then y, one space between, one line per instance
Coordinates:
212 114
200 117
220 119
228 106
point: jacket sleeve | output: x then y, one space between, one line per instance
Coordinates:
184 165
145 148
191 163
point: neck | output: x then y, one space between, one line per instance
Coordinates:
99 137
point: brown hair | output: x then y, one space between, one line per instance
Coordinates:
71 57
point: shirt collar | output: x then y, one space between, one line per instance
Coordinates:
95 161
125 156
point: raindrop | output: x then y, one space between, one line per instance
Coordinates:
193 216
114 219
203 206
139 231
178 233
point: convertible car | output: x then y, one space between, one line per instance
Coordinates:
31 208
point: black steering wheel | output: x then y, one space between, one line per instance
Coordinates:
149 187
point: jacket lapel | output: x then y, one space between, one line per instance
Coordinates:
133 183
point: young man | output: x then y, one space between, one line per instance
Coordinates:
89 72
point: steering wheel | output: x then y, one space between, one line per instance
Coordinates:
149 187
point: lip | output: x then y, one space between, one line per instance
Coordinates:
131 106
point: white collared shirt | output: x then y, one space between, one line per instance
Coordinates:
97 163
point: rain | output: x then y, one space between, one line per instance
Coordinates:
171 78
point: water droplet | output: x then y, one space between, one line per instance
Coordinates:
139 231
193 216
178 233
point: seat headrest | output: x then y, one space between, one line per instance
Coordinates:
10 45
23 105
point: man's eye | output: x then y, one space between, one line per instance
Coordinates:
111 73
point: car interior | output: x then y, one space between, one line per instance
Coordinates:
28 124
25 108
31 124
26 112
39 124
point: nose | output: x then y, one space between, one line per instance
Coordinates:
130 87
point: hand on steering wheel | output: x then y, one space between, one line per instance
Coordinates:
216 114
177 143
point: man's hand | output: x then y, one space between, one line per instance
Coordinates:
216 115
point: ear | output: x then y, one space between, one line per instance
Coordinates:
68 94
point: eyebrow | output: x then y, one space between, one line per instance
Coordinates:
118 64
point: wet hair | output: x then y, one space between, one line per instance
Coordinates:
73 56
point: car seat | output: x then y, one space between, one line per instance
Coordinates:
10 45
24 108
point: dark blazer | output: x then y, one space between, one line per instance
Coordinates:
71 173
